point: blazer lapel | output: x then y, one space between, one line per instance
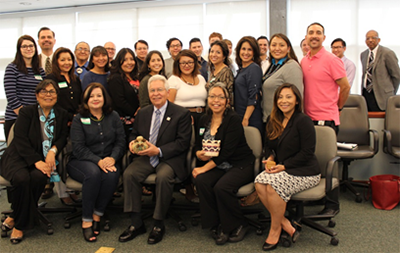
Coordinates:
287 128
147 125
377 58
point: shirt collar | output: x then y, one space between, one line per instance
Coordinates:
280 62
163 108
317 55
375 50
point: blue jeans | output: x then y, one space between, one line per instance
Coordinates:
98 187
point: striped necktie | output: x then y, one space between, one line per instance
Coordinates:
47 68
368 83
153 138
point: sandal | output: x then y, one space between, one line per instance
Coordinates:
96 227
248 201
16 239
88 234
146 192
5 227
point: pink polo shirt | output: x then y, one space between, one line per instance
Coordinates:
320 89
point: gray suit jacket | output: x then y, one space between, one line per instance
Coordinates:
385 74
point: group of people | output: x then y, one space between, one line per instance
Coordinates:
102 104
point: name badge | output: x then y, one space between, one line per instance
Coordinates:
85 121
202 130
63 85
38 77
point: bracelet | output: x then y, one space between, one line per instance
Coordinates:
54 150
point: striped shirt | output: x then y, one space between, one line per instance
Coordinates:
20 88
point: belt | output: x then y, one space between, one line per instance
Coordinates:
198 109
324 122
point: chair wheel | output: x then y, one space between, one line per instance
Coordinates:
106 227
67 225
182 227
195 222
259 232
358 199
331 224
334 241
50 231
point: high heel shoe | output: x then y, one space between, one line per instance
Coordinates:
16 240
5 227
295 235
268 247
96 227
88 234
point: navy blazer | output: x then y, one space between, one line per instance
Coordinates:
296 147
26 147
173 137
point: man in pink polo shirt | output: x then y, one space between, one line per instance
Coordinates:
323 75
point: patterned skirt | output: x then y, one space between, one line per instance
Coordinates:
285 184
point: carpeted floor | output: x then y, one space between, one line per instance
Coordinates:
360 227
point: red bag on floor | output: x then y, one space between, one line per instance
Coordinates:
385 191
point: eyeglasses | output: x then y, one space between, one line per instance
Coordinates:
176 45
190 63
158 90
27 46
110 49
212 97
372 38
48 92
85 50
337 47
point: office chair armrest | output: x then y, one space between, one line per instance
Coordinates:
329 173
387 141
376 140
63 158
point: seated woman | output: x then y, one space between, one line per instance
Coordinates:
125 87
69 98
98 143
187 85
219 177
290 143
98 68
153 65
40 132
220 71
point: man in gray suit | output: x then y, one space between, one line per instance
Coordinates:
167 127
381 73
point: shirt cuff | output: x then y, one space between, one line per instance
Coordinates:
160 154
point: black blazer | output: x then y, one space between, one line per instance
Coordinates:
296 147
124 97
26 147
234 148
173 137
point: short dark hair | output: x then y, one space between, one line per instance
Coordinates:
84 108
188 53
145 70
45 29
95 52
316 23
170 41
339 39
262 37
254 45
194 40
55 69
301 43
143 42
119 60
19 59
43 84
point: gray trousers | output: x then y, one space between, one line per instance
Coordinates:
136 173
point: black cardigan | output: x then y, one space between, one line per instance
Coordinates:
234 148
296 147
124 96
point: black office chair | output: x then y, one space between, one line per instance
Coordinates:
42 209
391 133
326 152
354 128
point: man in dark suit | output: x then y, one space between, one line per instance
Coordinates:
381 73
167 127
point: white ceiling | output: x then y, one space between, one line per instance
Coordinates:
10 6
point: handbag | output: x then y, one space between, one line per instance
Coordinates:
385 191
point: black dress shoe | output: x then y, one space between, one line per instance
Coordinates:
238 234
131 232
221 238
214 231
268 247
329 212
156 235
